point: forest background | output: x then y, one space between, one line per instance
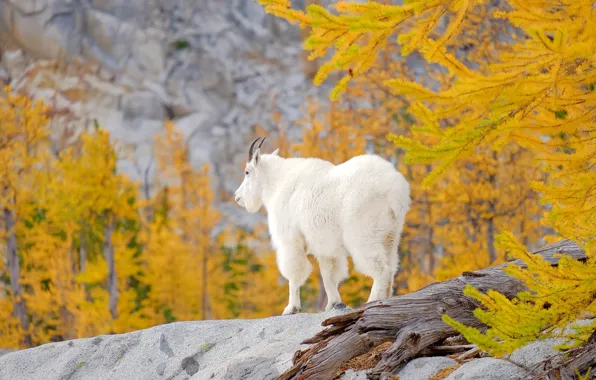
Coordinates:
495 134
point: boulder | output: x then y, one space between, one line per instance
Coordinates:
218 349
423 368
487 369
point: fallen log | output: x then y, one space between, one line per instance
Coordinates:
411 321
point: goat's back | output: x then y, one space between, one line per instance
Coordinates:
368 180
323 200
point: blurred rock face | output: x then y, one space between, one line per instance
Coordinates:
217 67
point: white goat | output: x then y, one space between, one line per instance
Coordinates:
329 211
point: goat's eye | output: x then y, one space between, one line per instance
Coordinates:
246 172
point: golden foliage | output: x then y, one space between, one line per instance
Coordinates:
509 113
83 254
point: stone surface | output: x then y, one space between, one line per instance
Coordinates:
226 349
4 77
487 369
423 368
535 352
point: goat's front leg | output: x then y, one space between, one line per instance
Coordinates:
295 267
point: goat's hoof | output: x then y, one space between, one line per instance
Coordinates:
336 306
290 310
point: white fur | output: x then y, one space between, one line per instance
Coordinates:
331 211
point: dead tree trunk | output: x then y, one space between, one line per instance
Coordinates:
14 270
413 322
108 251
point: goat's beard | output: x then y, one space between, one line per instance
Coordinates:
252 207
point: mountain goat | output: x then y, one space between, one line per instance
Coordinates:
315 207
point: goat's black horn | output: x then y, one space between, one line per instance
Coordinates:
261 143
251 149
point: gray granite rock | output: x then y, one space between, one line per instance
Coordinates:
226 349
487 369
535 352
423 368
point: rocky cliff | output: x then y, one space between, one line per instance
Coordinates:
216 67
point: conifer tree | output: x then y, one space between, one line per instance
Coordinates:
530 86
22 149
186 260
81 256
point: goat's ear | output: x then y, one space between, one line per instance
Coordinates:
275 152
256 157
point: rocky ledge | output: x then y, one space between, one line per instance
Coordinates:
226 349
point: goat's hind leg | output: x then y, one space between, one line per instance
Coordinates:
373 251
383 265
295 267
333 271
372 260
383 279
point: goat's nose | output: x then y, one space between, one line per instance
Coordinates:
237 198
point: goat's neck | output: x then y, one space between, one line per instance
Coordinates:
278 172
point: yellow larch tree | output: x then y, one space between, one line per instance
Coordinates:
46 195
180 244
251 286
447 231
23 148
534 88
83 254
491 191
96 207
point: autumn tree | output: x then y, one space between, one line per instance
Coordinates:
86 251
22 150
96 208
250 286
447 231
530 85
179 238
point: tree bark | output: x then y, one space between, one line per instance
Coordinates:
108 251
413 322
204 305
490 236
490 229
14 270
82 250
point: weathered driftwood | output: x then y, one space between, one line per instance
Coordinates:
411 321
468 354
